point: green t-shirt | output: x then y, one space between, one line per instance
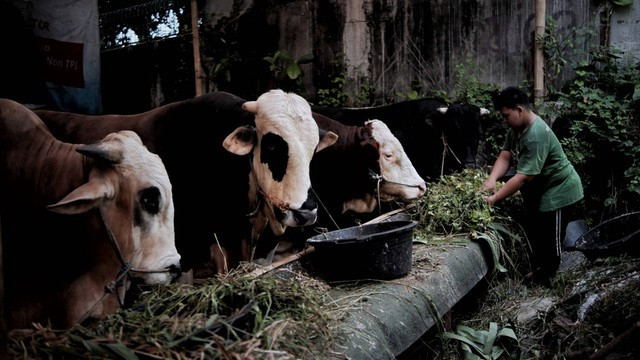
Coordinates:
538 153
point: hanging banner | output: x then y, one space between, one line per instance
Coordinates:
68 39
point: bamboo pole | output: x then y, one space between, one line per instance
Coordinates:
538 61
196 48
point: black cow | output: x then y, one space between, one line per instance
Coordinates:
438 138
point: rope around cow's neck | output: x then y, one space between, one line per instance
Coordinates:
379 180
124 271
446 148
113 286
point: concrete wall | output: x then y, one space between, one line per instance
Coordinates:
391 43
625 30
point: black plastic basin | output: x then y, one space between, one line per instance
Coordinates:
620 234
374 251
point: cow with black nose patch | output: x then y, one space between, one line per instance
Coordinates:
286 136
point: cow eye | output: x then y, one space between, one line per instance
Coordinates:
150 200
388 155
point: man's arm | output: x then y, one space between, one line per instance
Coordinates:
500 167
509 188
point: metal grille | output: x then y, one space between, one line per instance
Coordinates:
123 24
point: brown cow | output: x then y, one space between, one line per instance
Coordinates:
77 219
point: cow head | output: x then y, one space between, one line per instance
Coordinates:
131 188
400 180
281 145
462 130
397 179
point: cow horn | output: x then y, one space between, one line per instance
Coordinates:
443 110
250 106
102 151
327 138
484 111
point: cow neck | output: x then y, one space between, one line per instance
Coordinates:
125 266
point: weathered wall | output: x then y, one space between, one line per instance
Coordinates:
625 30
392 43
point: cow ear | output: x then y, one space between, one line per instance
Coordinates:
241 141
109 151
327 138
84 198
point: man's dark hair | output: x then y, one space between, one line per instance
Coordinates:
511 98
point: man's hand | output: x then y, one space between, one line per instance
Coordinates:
491 199
489 185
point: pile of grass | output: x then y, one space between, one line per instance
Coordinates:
242 316
233 316
453 208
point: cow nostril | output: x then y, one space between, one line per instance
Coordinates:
304 216
175 271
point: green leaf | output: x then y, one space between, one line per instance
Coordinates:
623 2
495 251
304 59
496 352
420 241
507 332
293 71
491 338
92 347
471 344
122 350
636 93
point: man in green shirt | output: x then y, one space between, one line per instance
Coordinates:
550 186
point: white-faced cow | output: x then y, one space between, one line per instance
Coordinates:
268 185
438 138
367 165
77 219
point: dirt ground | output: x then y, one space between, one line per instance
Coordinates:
591 310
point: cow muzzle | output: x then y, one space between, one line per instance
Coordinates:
162 275
469 159
296 218
307 214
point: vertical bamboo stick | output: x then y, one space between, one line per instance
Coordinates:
538 75
196 48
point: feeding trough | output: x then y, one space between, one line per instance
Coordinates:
373 251
620 234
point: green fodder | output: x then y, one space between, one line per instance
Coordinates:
231 316
454 206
